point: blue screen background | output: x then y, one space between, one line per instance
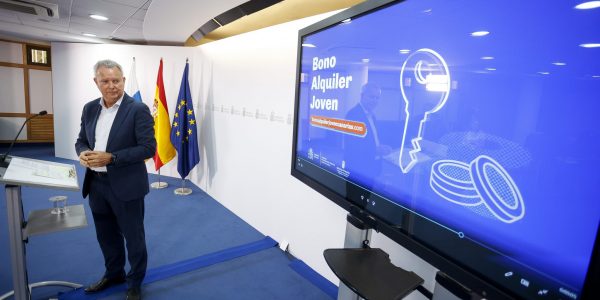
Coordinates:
533 108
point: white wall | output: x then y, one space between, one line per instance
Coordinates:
40 91
9 128
11 52
73 81
12 98
245 160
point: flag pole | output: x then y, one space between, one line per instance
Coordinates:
182 191
184 133
159 184
164 149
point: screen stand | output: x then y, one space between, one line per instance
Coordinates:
367 272
357 235
447 288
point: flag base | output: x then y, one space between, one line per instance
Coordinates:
159 185
182 191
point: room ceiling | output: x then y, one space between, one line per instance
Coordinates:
125 20
152 22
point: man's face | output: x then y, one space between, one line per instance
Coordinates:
111 83
370 98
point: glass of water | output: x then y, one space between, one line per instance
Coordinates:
59 205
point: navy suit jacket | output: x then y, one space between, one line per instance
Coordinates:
131 140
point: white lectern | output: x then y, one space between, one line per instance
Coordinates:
35 173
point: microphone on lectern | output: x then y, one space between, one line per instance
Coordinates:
3 163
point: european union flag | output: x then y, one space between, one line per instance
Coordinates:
184 130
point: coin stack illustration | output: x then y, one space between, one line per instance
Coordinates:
482 185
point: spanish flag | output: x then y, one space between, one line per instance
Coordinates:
162 125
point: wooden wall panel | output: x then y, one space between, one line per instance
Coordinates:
42 128
24 88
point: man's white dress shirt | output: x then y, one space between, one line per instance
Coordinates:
103 126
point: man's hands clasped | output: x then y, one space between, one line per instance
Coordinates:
94 159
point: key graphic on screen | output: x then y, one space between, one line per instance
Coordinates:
425 85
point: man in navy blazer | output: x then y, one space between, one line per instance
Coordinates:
363 154
116 136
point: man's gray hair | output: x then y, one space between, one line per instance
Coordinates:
107 63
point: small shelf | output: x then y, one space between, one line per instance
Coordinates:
370 273
43 221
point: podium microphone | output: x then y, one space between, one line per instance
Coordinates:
3 163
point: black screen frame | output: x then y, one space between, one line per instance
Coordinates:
454 269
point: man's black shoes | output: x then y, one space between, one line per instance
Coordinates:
103 284
134 293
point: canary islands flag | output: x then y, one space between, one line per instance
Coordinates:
162 127
132 86
184 130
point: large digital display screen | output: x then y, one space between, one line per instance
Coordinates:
470 126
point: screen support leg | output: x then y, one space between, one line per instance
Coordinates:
14 209
446 288
357 236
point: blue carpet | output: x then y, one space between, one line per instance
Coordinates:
257 276
314 277
178 228
178 268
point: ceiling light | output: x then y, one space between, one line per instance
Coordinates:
590 45
595 76
487 57
491 69
559 63
480 33
308 45
437 83
404 51
89 34
365 60
544 73
99 17
588 5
